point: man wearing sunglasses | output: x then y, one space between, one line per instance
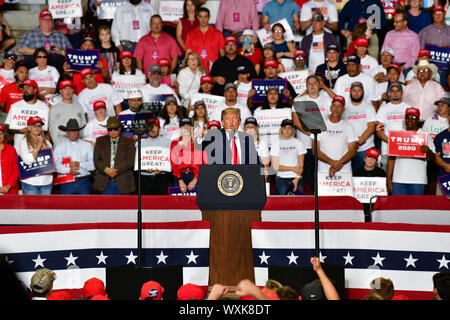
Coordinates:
114 161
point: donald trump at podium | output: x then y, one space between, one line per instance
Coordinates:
229 145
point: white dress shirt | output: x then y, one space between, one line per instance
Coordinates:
131 22
80 150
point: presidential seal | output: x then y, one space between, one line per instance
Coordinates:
230 183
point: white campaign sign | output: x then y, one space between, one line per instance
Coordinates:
338 185
156 158
365 188
124 83
65 8
19 117
269 120
171 10
107 9
297 80
211 101
265 36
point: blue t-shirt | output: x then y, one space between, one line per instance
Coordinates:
276 12
442 145
416 24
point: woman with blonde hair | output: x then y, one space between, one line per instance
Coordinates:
288 154
188 79
29 148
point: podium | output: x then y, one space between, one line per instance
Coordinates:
230 198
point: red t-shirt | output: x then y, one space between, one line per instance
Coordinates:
207 45
78 85
9 95
255 58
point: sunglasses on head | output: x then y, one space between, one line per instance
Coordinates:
113 129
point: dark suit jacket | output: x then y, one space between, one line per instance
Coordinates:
217 147
124 162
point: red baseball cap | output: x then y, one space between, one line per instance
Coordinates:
151 290
362 42
395 66
190 291
33 120
340 99
271 63
372 152
299 53
424 53
85 72
126 54
99 104
230 39
66 83
438 9
208 79
45 13
2 128
214 123
164 62
31 83
92 287
413 111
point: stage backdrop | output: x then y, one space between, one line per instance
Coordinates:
78 252
409 255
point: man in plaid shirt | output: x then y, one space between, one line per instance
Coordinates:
45 36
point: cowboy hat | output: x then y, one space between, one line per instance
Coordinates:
425 64
71 125
112 123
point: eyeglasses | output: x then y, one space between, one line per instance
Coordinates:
278 31
42 57
113 129
11 58
424 70
300 58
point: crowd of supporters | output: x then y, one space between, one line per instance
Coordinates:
368 73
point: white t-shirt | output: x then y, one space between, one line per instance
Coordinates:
334 143
316 53
324 103
287 151
170 131
344 82
103 92
242 91
410 170
262 148
393 118
433 126
148 91
94 129
380 69
45 78
8 75
22 105
368 63
358 117
328 10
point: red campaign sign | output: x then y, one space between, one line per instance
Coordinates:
406 144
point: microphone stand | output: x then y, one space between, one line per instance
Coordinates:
315 132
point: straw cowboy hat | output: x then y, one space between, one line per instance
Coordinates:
423 64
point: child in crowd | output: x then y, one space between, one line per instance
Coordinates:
243 84
166 77
108 50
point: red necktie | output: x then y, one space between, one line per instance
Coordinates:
235 152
